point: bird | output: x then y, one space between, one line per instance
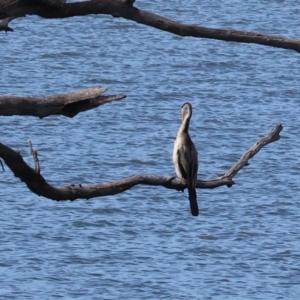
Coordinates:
185 157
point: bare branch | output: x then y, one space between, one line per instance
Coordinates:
2 165
35 158
272 136
68 105
128 2
4 24
124 9
38 185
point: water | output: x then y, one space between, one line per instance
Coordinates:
144 244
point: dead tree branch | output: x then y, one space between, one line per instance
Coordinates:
271 137
126 10
2 165
38 185
68 105
4 24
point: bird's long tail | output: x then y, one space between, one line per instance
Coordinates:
193 202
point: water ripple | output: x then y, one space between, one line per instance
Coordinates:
144 244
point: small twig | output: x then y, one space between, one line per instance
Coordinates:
2 165
35 158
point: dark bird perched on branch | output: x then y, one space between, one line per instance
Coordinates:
185 157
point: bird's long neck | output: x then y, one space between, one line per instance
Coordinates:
184 127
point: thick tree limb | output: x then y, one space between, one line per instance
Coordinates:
124 9
38 185
68 105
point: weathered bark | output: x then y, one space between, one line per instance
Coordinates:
68 105
38 185
124 9
4 24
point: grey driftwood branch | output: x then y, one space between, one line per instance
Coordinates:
38 185
68 105
126 10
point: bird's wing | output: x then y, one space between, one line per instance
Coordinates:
194 165
188 163
185 161
182 161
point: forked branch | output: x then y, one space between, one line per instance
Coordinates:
68 105
38 185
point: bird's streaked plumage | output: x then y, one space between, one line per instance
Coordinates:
185 157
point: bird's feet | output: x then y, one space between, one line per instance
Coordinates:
171 178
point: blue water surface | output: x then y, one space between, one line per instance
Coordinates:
144 243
